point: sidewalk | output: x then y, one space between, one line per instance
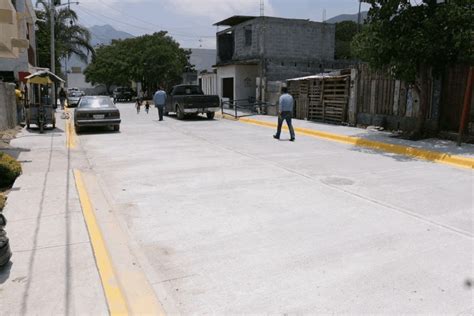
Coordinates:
442 151
52 270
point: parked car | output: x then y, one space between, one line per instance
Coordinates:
123 94
96 111
73 98
189 99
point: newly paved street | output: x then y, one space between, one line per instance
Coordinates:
218 217
229 220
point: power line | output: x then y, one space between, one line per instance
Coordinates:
139 19
142 28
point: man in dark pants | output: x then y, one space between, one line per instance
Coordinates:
160 100
285 112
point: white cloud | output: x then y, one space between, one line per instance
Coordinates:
217 9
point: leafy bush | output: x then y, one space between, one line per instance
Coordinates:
10 169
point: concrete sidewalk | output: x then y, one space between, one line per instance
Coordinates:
379 140
52 270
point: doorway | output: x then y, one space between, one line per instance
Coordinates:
228 88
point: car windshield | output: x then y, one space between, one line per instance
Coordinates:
186 90
96 103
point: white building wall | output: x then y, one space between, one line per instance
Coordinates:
245 81
209 84
225 72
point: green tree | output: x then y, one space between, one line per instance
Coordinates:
70 38
345 32
414 40
155 59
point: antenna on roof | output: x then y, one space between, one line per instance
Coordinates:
324 15
262 7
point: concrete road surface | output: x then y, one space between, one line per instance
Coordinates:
225 219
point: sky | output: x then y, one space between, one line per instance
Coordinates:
190 22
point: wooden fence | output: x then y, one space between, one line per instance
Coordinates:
371 97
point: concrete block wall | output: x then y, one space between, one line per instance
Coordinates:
8 113
285 38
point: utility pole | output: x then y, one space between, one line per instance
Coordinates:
53 57
358 17
262 51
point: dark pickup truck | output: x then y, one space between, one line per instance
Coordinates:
189 99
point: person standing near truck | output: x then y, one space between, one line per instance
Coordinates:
159 98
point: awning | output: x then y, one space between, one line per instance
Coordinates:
43 77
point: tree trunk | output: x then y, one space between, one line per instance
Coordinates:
422 87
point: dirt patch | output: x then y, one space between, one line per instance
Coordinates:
7 135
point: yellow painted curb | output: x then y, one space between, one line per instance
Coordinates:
439 157
115 297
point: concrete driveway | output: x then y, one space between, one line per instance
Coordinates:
225 219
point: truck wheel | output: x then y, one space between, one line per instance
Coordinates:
210 115
179 113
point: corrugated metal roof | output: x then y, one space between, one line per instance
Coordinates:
333 75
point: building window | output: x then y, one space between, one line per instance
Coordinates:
248 37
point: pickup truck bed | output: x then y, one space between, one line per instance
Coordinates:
189 99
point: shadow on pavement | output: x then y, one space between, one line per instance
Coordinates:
5 272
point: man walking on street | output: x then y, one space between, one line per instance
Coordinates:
285 112
159 98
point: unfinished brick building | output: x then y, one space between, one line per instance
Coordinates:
274 48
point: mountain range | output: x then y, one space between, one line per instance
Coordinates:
104 34
348 17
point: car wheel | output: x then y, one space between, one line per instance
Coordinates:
210 115
78 129
179 112
116 128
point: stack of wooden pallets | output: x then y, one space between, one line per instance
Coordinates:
335 99
321 98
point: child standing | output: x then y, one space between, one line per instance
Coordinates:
147 106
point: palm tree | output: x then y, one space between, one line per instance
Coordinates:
70 38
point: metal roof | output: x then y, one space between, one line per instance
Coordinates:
332 75
234 20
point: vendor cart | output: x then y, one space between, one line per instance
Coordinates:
41 111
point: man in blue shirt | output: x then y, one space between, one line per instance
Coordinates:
159 98
285 112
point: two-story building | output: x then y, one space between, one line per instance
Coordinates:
270 48
17 39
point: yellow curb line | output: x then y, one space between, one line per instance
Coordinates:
115 298
453 160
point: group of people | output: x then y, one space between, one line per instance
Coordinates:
159 99
285 108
